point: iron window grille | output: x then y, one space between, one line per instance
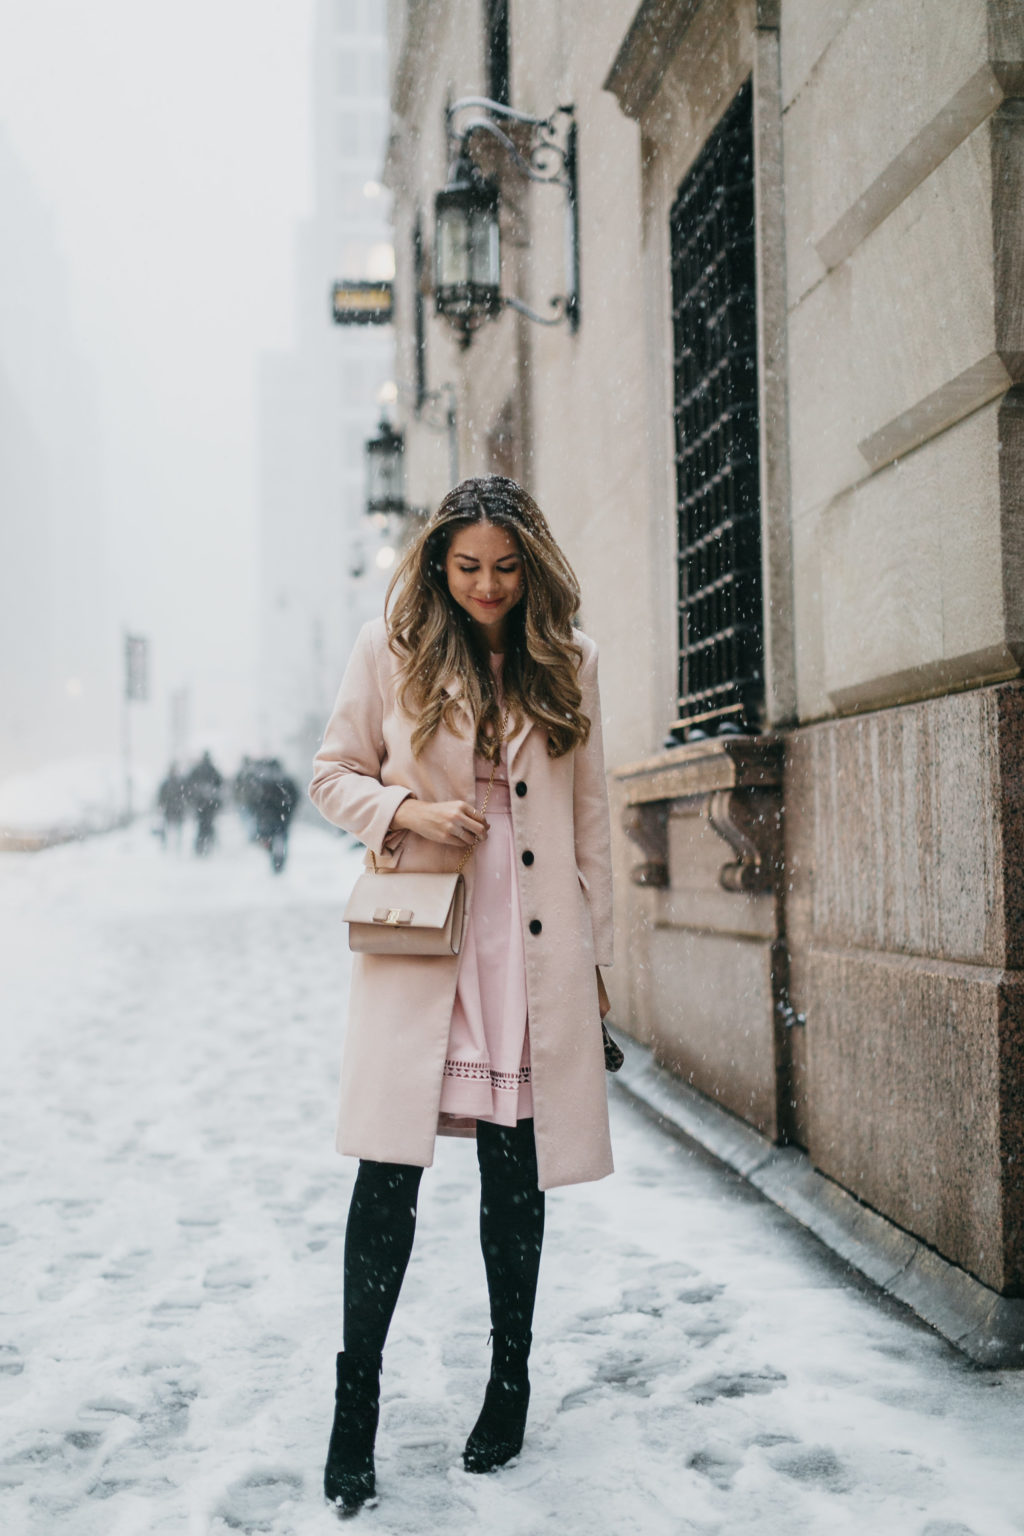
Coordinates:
714 320
497 50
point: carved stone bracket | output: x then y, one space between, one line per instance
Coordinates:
735 782
750 821
647 826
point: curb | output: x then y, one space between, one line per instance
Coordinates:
985 1326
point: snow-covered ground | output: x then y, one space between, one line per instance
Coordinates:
171 1246
68 798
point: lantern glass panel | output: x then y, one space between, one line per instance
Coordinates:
452 246
484 248
467 247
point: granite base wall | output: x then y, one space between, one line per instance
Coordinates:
904 922
711 1019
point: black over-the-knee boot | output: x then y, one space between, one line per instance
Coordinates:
511 1236
378 1242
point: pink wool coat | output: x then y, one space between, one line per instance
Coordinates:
400 1007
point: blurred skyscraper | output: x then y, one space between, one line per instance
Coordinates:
57 643
320 401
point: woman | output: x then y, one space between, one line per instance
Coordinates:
474 690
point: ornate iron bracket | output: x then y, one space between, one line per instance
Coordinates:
550 160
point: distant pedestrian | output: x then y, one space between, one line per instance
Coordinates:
475 684
203 797
171 799
272 796
240 793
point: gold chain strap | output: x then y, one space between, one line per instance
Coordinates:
483 809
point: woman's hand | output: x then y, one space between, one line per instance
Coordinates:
603 1000
455 823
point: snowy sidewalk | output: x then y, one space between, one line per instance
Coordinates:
171 1242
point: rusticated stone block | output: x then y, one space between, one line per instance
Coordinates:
905 925
917 1099
905 829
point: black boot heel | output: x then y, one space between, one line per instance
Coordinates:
349 1476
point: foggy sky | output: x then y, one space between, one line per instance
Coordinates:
165 153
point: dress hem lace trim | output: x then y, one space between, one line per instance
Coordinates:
481 1072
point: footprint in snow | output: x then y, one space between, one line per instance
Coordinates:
83 1439
630 1373
273 1346
718 1464
29 1456
11 1363
946 1528
646 1299
108 1487
203 1220
106 1408
744 1385
816 1464
699 1295
672 1269
229 1277
170 1311
251 1503
169 1414
703 1330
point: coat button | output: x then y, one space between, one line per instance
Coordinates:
527 856
535 925
521 788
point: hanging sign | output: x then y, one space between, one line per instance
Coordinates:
362 303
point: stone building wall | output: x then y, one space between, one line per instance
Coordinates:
903 143
819 926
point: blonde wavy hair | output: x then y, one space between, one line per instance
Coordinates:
433 637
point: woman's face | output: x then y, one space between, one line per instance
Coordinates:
484 567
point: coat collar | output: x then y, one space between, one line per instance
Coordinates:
454 689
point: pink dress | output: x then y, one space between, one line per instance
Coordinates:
487 1067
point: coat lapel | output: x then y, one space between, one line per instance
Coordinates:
456 750
516 740
454 690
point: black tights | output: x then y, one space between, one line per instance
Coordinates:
382 1224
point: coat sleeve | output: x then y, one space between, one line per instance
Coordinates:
591 820
346 786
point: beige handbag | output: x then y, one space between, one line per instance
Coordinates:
412 912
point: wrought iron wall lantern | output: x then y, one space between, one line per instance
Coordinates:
467 242
385 472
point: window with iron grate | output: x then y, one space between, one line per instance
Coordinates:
714 321
497 51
